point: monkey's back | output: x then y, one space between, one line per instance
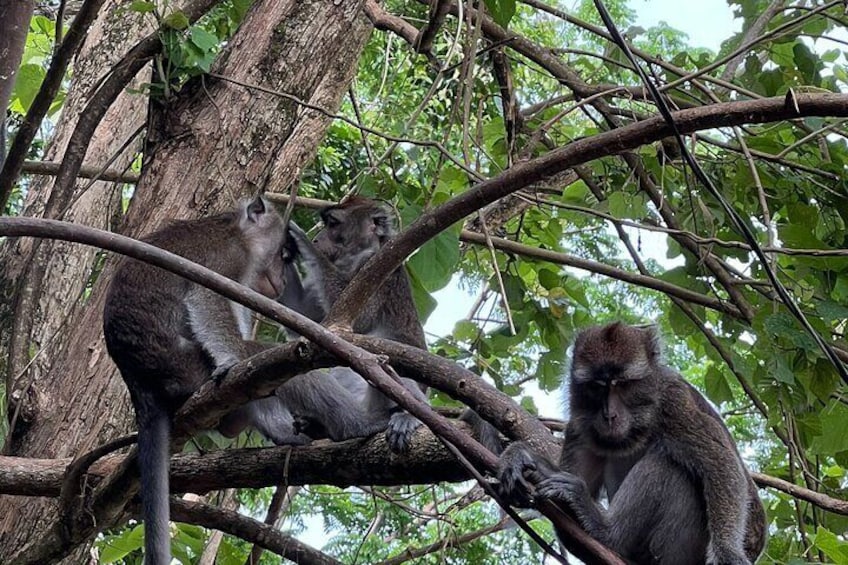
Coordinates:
145 320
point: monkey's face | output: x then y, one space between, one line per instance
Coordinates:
355 229
615 387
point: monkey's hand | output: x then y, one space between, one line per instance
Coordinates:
296 241
564 487
399 433
516 468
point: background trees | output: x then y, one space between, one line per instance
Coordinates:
524 154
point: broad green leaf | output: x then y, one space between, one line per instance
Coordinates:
435 262
780 370
465 330
833 438
424 302
142 7
119 546
176 20
716 386
27 84
836 549
203 40
502 11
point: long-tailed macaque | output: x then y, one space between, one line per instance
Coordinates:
677 488
168 336
353 232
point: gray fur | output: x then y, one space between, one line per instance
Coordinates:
352 234
677 488
313 405
168 336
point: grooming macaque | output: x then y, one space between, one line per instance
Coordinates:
168 336
677 488
353 232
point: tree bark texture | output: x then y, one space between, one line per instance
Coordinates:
218 141
43 288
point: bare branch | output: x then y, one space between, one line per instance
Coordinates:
263 535
42 101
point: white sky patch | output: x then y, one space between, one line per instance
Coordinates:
706 22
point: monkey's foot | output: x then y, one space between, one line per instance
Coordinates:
294 439
399 433
515 463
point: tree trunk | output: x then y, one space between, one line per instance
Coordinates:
222 141
42 290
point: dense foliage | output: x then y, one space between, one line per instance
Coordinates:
437 124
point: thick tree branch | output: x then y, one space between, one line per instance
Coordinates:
369 461
580 151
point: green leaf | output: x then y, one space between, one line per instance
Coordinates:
424 302
780 370
549 279
716 386
832 311
835 548
142 7
784 326
833 439
27 84
502 11
176 20
115 548
550 371
435 262
466 331
203 40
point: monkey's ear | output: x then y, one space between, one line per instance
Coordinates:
331 216
256 209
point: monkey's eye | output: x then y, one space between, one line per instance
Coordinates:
331 222
597 386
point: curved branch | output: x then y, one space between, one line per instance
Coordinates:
46 94
578 152
254 531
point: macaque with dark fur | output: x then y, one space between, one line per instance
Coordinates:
168 336
353 232
677 488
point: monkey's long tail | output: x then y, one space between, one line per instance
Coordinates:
154 430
